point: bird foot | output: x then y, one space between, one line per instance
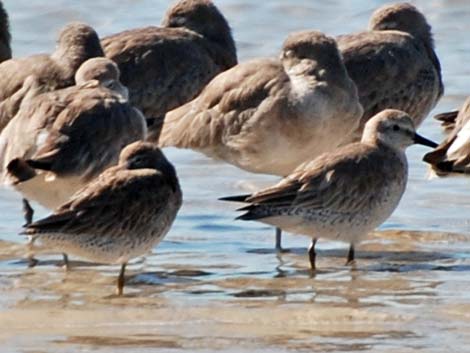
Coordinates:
280 250
32 262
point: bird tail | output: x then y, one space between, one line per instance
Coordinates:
20 171
251 214
236 198
440 162
447 119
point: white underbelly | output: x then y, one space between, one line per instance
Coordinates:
49 192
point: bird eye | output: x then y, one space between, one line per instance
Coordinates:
396 127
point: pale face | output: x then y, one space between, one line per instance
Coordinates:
399 133
393 128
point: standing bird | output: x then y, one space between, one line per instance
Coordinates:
270 115
59 141
453 154
5 38
122 214
165 67
394 64
345 194
77 43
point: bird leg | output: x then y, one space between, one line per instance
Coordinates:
350 259
311 254
120 281
278 239
31 260
28 213
66 262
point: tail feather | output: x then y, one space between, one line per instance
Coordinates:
43 164
440 164
448 120
237 198
447 117
250 214
435 157
20 170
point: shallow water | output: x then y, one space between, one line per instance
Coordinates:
213 284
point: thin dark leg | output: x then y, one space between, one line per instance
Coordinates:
350 255
278 239
66 262
311 254
120 282
31 260
28 212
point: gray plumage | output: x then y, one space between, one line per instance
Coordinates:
270 115
5 38
77 43
58 141
453 154
394 64
344 194
165 67
122 214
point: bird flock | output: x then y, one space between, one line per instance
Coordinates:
81 129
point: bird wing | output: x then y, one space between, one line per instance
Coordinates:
114 198
87 132
227 108
20 138
162 67
336 182
453 154
384 65
15 71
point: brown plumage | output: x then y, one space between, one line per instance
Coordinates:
394 64
69 136
5 38
344 194
122 214
77 43
453 154
270 115
165 67
447 120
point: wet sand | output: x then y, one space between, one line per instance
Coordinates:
406 293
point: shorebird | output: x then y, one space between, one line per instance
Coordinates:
77 43
394 64
122 214
165 67
453 154
344 194
59 141
5 38
270 115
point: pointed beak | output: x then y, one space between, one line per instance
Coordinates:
424 141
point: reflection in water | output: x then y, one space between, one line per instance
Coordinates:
277 304
215 284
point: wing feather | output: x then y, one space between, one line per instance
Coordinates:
107 201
